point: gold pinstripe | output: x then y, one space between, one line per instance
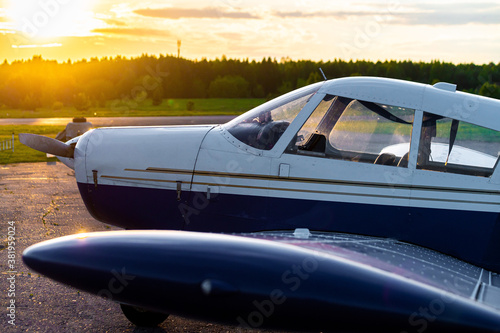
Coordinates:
312 180
293 180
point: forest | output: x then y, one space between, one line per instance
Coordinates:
40 83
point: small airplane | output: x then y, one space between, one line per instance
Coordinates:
356 205
77 127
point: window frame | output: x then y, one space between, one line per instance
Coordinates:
278 148
299 121
494 177
292 147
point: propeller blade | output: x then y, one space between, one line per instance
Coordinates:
47 145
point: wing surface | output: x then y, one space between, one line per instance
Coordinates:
291 281
402 259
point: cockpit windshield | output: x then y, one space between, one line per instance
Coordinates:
262 127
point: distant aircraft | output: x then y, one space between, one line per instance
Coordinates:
356 204
77 127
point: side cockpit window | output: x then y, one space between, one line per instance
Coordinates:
374 133
452 146
263 126
358 131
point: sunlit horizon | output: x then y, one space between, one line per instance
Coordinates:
318 30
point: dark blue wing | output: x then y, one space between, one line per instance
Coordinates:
285 280
405 260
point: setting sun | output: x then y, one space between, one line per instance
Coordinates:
39 20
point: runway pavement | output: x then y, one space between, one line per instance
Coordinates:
122 121
42 202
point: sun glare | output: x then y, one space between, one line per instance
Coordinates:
38 20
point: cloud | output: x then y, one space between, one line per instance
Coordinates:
448 19
420 14
231 35
114 22
36 46
338 15
177 13
459 14
132 32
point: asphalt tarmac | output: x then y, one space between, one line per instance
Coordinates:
42 202
122 121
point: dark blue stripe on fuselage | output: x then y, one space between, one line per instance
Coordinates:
468 235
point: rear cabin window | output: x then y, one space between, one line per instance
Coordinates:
359 131
449 145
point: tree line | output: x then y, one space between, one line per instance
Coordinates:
37 82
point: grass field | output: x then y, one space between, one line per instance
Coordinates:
21 152
119 108
130 108
466 131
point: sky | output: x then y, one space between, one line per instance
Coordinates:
451 31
